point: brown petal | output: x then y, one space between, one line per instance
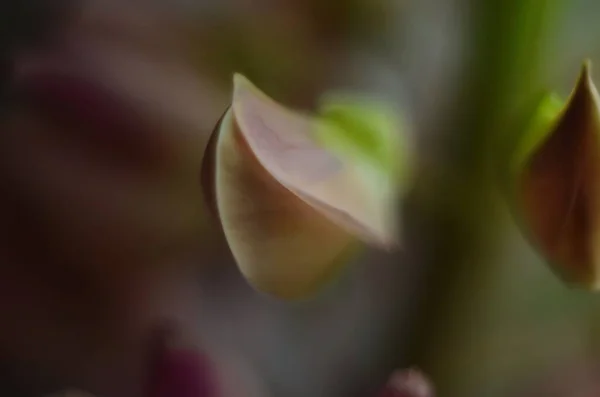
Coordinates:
558 188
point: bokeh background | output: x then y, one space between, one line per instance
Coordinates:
467 299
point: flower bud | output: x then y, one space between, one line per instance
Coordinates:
557 179
294 193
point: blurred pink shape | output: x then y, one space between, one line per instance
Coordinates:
408 383
180 371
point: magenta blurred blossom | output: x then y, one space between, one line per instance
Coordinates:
408 383
180 371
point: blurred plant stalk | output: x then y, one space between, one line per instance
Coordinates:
461 207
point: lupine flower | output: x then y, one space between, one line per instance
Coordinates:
294 193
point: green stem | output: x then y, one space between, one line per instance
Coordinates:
505 69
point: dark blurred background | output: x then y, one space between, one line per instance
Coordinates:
498 324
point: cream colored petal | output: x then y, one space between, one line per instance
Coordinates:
290 210
353 194
282 245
